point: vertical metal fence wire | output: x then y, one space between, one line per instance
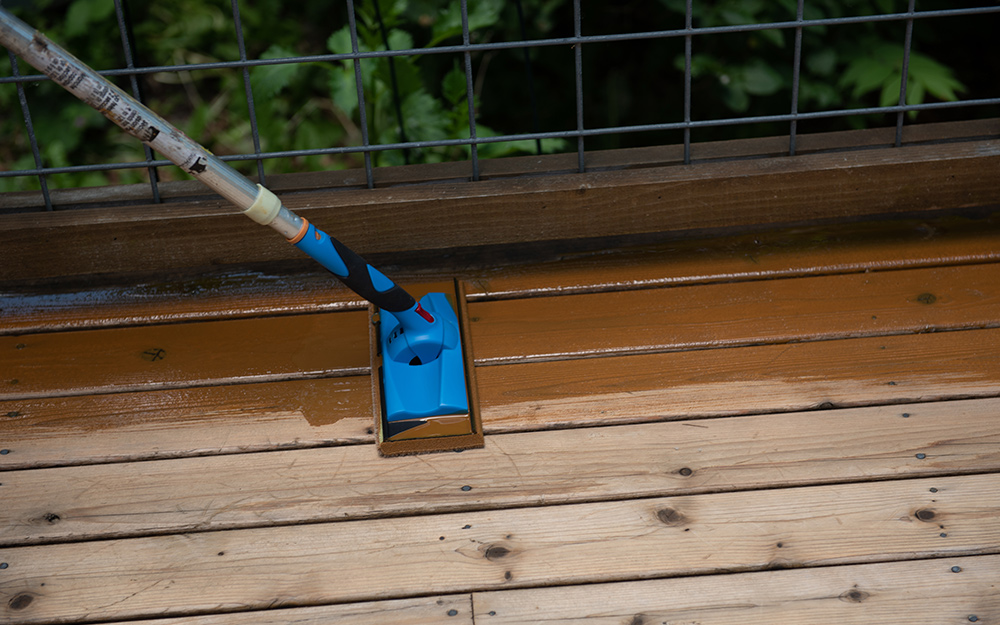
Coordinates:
796 74
688 23
30 128
254 133
125 28
470 95
907 44
578 66
359 84
690 122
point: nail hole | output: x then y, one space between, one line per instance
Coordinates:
921 456
466 488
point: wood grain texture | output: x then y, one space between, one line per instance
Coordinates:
721 315
847 248
464 552
926 591
242 418
208 353
769 378
447 610
514 470
509 210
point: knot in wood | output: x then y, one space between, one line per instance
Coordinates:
20 602
927 298
854 595
671 517
925 514
495 552
638 619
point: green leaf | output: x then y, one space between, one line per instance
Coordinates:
736 99
761 79
269 80
453 88
340 42
823 62
866 74
937 79
482 14
400 40
890 92
344 91
83 13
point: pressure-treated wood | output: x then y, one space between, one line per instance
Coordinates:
719 315
625 389
948 590
462 552
152 357
514 470
447 610
766 427
796 376
847 248
229 419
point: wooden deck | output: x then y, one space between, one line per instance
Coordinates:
798 426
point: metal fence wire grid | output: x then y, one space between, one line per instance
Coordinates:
691 35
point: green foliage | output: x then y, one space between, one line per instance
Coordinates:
303 106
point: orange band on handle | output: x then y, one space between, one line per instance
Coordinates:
301 233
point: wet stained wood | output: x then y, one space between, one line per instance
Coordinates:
514 470
522 209
744 380
240 418
945 590
447 610
492 550
847 248
719 315
523 397
165 356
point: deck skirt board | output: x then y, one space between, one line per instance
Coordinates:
514 470
491 550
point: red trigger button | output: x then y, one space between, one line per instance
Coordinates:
423 313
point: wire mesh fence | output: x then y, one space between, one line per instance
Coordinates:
422 81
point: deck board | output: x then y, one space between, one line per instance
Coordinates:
514 470
469 551
712 431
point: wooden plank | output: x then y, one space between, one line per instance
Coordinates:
846 248
489 550
54 431
446 610
165 356
531 396
652 320
925 591
813 250
722 315
745 380
510 210
210 493
522 165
